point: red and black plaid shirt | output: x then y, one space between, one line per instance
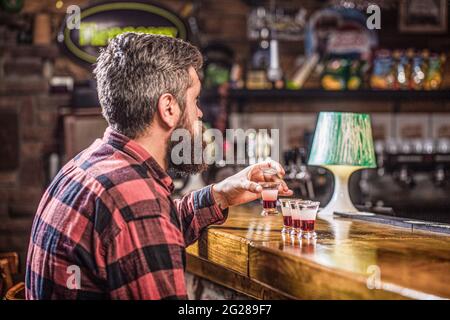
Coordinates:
109 212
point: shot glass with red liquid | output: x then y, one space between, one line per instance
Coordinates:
307 214
295 217
287 216
269 196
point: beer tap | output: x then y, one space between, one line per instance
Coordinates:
440 176
289 160
307 186
380 152
304 175
297 172
405 178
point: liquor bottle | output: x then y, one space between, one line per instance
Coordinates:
419 70
256 77
274 72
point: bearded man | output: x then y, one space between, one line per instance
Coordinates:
107 227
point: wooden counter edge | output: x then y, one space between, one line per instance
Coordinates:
299 278
308 280
233 280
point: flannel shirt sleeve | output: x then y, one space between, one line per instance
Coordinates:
198 210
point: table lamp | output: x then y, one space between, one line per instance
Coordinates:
342 144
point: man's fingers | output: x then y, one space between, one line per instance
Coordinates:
251 186
254 187
276 166
286 193
272 164
283 186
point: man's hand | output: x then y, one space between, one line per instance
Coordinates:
243 186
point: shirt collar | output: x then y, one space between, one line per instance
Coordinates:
137 152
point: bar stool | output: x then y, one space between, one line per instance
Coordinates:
16 292
9 266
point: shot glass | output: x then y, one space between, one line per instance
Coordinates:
287 216
308 214
269 197
295 217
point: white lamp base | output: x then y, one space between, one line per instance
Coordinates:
340 202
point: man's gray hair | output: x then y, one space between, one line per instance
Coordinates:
135 70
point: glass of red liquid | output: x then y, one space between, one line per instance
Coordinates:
295 217
269 197
308 213
287 216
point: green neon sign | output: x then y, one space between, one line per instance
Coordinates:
94 33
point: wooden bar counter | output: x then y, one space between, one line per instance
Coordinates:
249 255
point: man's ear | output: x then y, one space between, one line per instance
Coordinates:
168 110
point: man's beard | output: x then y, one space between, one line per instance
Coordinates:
182 168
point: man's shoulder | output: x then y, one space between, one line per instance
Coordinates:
127 184
111 167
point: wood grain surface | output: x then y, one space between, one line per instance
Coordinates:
349 259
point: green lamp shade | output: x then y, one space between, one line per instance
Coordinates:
343 139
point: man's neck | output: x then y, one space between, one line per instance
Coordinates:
156 145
